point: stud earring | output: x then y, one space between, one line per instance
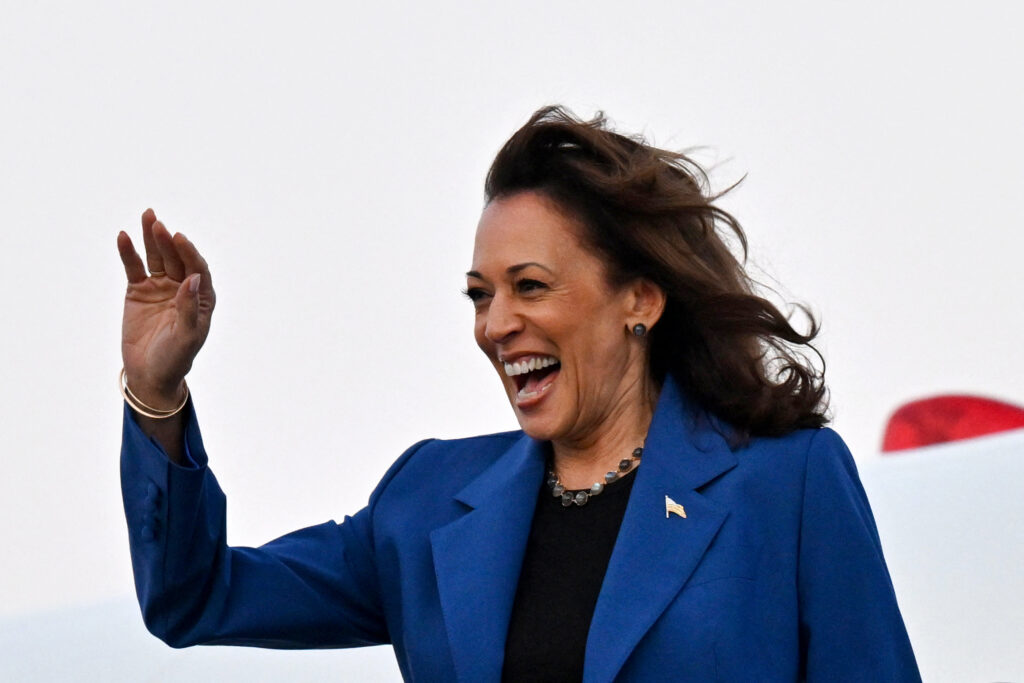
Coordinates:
639 330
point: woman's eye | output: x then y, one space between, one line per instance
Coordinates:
475 294
530 285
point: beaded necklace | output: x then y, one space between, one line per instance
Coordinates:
582 496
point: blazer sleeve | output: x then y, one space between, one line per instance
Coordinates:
850 625
313 588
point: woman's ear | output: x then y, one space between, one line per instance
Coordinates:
646 303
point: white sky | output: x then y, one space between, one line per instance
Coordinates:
329 159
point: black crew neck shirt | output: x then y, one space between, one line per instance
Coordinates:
566 558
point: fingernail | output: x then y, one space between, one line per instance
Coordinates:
193 286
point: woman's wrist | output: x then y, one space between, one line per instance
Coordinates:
159 413
154 400
169 433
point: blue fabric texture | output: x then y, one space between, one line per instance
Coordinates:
775 573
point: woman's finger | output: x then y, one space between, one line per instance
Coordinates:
172 263
194 262
153 258
133 267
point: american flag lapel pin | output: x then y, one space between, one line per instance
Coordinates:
673 507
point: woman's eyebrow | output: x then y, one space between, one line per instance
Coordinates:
511 270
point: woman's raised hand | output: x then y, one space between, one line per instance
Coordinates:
166 314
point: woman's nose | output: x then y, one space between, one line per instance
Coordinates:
503 320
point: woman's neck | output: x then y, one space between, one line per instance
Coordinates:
580 464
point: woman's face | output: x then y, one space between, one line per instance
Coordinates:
553 328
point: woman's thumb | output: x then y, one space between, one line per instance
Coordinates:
186 301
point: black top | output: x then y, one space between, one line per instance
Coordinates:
565 562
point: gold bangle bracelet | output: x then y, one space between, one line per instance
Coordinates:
140 407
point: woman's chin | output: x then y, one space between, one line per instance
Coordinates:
542 426
536 431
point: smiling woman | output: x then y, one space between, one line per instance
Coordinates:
671 504
543 299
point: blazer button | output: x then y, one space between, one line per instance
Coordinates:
147 533
152 493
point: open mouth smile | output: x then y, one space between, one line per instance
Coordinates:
533 375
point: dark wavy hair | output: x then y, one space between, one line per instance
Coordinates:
649 213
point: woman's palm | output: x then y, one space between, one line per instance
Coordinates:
167 314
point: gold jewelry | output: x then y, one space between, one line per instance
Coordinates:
141 408
157 273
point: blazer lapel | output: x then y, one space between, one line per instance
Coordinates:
477 559
656 552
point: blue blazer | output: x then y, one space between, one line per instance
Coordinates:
774 574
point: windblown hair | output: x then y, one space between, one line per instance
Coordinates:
648 213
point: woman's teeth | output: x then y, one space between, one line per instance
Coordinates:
524 393
523 367
532 376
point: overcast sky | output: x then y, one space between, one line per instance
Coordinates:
329 160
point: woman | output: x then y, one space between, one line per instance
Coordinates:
671 508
